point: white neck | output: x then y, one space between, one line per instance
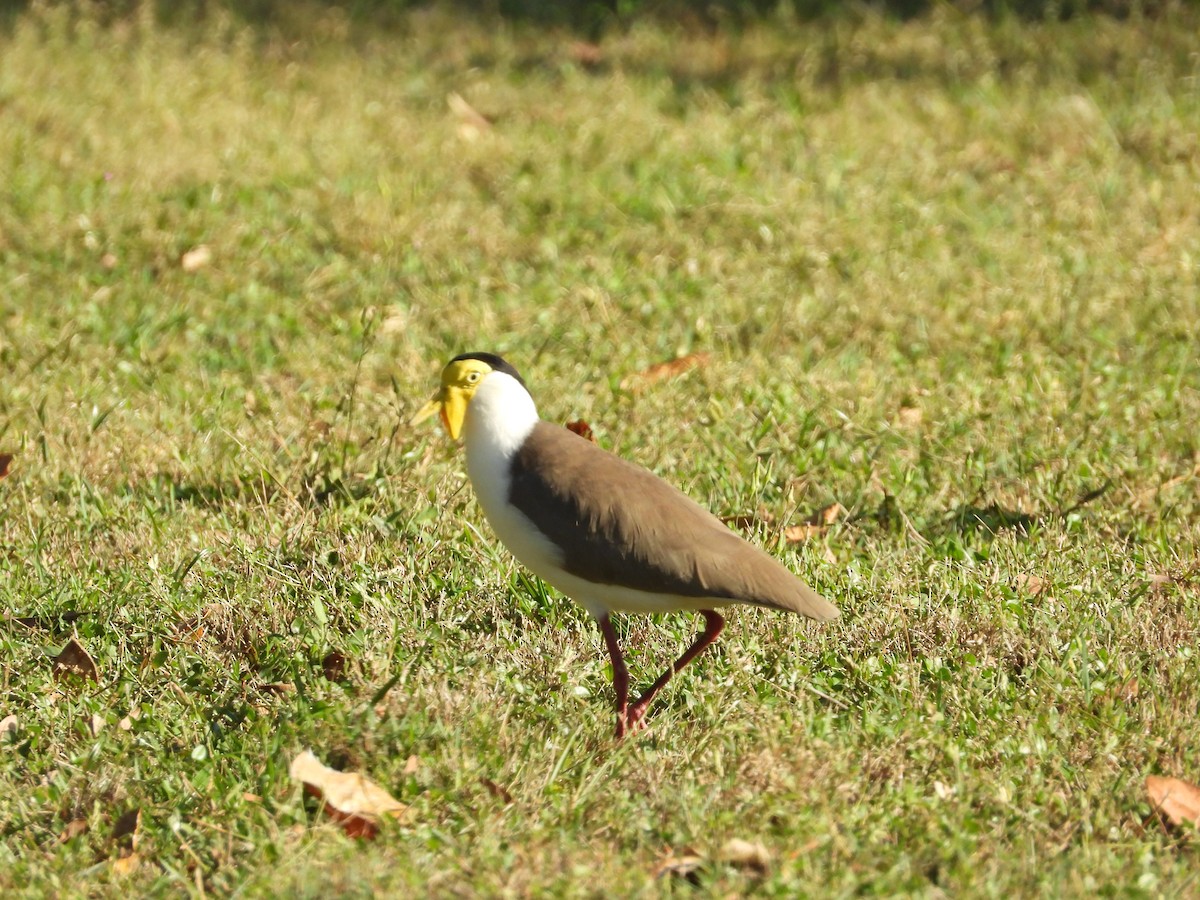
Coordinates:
499 418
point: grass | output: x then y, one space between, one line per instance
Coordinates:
947 275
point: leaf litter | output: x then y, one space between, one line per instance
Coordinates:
75 660
125 837
816 526
1175 799
668 369
350 798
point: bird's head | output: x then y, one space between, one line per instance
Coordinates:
460 379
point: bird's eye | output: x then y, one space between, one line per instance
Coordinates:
472 377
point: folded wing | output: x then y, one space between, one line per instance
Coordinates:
620 524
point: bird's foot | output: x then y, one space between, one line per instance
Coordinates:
633 719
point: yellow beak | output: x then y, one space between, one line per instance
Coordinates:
452 404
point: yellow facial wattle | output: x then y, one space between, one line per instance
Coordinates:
459 381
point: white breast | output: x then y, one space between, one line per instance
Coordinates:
499 418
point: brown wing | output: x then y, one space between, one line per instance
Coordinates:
619 524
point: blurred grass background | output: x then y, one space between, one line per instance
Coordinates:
944 264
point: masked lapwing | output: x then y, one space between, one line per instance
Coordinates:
605 532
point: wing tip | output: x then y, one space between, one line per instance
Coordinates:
811 604
825 611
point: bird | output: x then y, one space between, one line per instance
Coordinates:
609 534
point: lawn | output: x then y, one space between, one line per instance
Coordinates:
944 273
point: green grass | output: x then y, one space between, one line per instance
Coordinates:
991 223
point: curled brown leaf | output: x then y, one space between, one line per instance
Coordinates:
126 863
1177 800
686 864
1129 690
798 534
747 521
1030 585
74 660
585 53
351 799
815 526
74 829
196 259
471 122
827 515
126 829
744 854
498 791
56 622
582 428
333 666
668 369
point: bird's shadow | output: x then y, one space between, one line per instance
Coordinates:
978 519
321 489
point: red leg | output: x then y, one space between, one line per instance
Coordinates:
713 623
620 673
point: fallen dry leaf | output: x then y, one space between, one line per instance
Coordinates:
333 666
827 515
9 723
1031 585
816 525
5 463
74 829
1159 582
741 521
1152 493
582 428
126 863
125 838
585 53
498 791
96 725
411 765
51 622
471 122
351 799
188 634
74 660
1129 690
668 369
685 865
798 534
745 855
126 828
747 521
1178 800
395 320
196 258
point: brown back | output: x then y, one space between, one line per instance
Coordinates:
619 524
